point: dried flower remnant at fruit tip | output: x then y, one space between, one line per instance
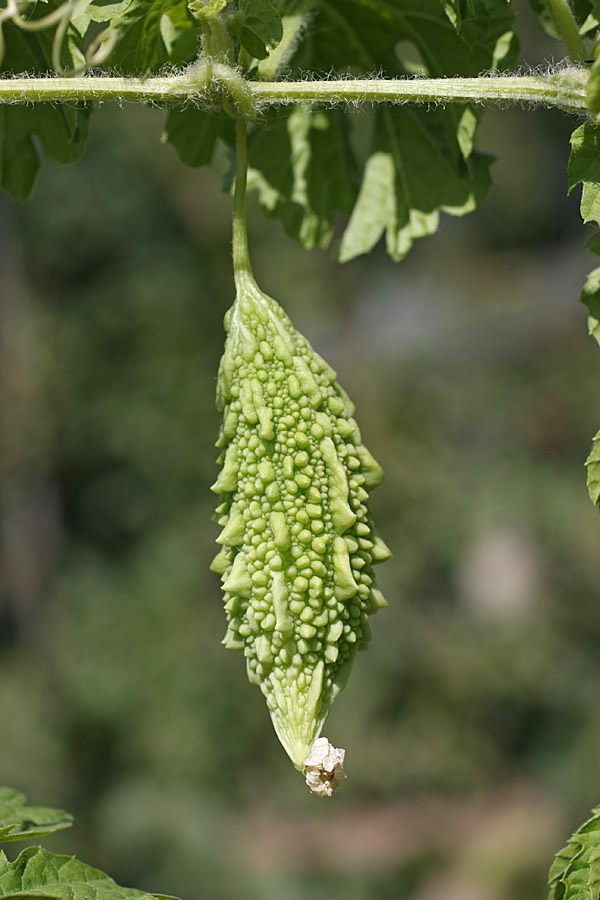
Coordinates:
324 768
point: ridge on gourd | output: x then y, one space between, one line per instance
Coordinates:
298 544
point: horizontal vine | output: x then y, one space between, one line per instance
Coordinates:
218 85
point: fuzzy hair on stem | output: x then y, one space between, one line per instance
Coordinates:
214 85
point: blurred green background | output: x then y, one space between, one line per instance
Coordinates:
471 725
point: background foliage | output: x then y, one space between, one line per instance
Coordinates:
471 724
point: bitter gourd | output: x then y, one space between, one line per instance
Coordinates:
298 544
297 541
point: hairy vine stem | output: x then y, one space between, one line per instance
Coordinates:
564 89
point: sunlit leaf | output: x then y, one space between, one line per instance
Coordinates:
37 873
20 822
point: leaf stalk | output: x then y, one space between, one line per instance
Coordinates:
569 30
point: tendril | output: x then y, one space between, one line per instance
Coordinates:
96 53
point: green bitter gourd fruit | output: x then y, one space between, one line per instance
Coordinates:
297 541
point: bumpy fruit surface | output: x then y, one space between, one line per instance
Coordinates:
298 544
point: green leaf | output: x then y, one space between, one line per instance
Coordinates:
206 9
407 180
62 129
346 34
152 33
594 244
304 172
593 472
79 16
574 875
106 12
194 133
583 11
37 873
458 10
590 296
305 164
417 162
421 162
63 134
592 22
258 26
295 18
19 822
593 90
584 168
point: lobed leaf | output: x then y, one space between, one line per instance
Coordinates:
590 296
152 33
591 23
575 873
593 90
296 19
458 10
37 873
19 822
106 11
258 26
61 129
586 13
417 162
305 172
584 169
407 180
593 471
194 133
305 164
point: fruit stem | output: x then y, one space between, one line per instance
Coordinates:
241 259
